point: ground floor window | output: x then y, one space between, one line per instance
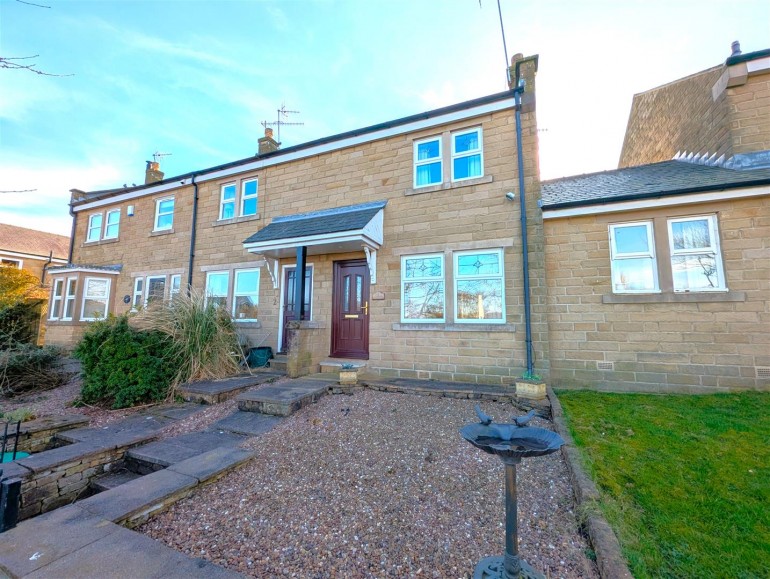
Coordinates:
479 287
217 283
69 298
246 295
422 288
96 294
56 299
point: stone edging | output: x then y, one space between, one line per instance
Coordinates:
609 558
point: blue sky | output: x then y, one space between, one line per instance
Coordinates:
196 78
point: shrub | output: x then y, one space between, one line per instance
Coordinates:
203 336
22 300
26 367
18 415
123 366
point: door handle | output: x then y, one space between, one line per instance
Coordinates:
366 308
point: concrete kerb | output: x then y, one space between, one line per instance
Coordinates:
609 557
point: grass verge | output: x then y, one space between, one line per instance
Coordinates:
685 480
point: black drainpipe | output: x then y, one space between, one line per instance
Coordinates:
72 236
192 235
517 91
45 267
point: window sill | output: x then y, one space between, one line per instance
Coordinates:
157 232
674 298
220 222
248 323
100 241
450 327
450 185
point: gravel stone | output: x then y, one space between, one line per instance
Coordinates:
376 485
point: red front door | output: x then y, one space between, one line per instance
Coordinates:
289 280
350 310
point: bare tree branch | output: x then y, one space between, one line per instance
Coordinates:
10 63
32 4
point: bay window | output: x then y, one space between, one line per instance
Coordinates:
96 294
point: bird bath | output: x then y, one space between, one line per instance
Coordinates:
511 442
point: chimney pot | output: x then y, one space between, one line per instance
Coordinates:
267 144
736 48
152 173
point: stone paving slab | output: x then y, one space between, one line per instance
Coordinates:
212 463
51 423
111 480
125 554
214 391
141 497
247 423
207 440
176 411
40 541
161 453
138 425
57 456
285 399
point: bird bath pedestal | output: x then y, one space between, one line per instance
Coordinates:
511 442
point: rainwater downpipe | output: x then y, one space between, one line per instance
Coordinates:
72 235
192 235
517 91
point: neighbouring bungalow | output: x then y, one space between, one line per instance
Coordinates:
393 246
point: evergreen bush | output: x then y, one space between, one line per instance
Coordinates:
123 366
25 367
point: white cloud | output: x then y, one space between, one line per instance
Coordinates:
278 18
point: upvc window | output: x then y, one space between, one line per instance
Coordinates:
176 285
479 287
632 252
428 169
422 288
138 292
94 227
467 155
246 295
112 226
96 294
249 190
56 297
216 288
69 298
164 214
17 263
227 201
696 262
156 289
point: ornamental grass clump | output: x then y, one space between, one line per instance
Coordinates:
203 338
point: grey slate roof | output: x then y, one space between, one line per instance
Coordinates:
646 182
339 219
110 268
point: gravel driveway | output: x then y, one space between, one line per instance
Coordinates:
377 485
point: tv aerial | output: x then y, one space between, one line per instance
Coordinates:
283 113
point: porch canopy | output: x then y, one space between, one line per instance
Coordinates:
338 230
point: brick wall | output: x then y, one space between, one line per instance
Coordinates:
697 345
749 114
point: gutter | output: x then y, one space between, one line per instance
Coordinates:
517 91
192 233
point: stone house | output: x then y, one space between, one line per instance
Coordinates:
409 245
32 250
658 273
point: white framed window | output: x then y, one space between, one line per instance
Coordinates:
112 226
249 190
246 295
467 155
96 297
227 201
479 285
164 214
176 286
217 283
94 227
632 252
428 165
136 301
69 298
56 299
17 263
696 261
156 289
422 288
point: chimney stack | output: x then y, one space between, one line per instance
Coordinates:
267 144
736 48
152 174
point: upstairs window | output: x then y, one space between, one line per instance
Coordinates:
249 191
56 299
422 288
227 202
467 155
69 298
216 288
696 262
428 169
479 287
632 251
112 226
94 227
164 214
96 294
11 263
246 295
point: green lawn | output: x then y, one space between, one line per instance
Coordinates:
685 480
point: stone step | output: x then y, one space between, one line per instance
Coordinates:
111 480
215 391
164 453
335 364
247 423
284 399
279 363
